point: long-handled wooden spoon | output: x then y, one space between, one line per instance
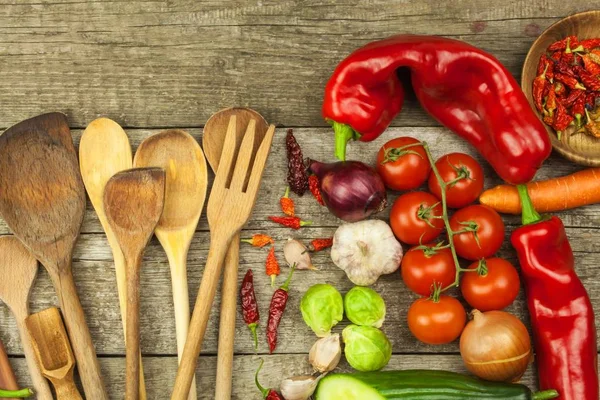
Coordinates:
178 153
18 269
53 351
133 202
104 150
213 138
42 199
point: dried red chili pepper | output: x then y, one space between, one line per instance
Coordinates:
590 65
272 266
578 109
593 127
550 105
290 222
590 44
590 100
268 394
568 58
539 83
276 310
590 81
259 240
573 95
313 185
556 56
570 81
320 244
562 119
249 305
561 67
297 176
568 42
559 89
287 203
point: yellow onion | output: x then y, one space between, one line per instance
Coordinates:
495 346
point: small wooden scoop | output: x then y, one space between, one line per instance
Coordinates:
53 351
133 202
42 199
18 269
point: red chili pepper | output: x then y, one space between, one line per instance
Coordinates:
559 89
272 266
268 394
556 56
562 119
287 203
569 81
561 67
276 310
249 305
590 66
578 109
290 222
539 83
560 309
570 42
458 84
568 58
259 240
573 95
320 244
590 100
590 44
590 81
551 103
313 185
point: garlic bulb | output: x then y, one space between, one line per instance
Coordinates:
295 252
299 387
325 354
365 250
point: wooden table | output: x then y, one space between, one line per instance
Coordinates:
152 65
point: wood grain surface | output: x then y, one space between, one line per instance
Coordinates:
151 65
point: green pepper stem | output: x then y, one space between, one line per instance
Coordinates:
343 134
252 327
528 213
286 284
16 393
264 391
546 394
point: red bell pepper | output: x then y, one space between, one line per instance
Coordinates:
560 309
463 87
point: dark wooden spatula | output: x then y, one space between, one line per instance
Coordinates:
42 199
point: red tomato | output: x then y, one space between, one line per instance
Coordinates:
489 229
496 288
465 176
420 268
403 169
413 217
436 322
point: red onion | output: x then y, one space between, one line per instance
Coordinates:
351 189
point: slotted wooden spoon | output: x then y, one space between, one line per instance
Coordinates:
18 269
133 203
42 199
53 351
229 207
178 153
104 150
213 138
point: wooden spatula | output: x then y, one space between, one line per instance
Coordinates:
53 351
133 202
178 153
18 269
229 208
42 199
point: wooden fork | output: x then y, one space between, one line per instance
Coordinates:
229 208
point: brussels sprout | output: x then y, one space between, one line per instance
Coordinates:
364 306
322 308
366 348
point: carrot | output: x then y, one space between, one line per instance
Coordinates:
575 190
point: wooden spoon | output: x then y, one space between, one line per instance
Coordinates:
104 150
133 203
18 269
53 351
42 199
178 153
213 138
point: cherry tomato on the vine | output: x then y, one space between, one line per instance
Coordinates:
423 266
463 176
494 286
437 322
416 217
481 231
403 169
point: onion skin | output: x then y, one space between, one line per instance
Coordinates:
352 190
496 346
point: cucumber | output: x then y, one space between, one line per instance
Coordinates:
420 385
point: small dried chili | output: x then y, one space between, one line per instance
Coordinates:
320 244
561 67
313 185
592 126
550 105
559 89
578 109
276 310
272 266
573 95
590 65
569 81
249 305
259 240
268 394
562 119
290 222
590 44
539 83
590 81
568 42
287 203
297 175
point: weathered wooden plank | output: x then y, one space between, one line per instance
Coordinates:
173 63
160 372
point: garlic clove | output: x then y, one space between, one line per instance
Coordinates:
295 252
326 353
299 387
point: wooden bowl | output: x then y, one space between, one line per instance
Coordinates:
579 148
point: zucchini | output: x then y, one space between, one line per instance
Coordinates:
420 385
